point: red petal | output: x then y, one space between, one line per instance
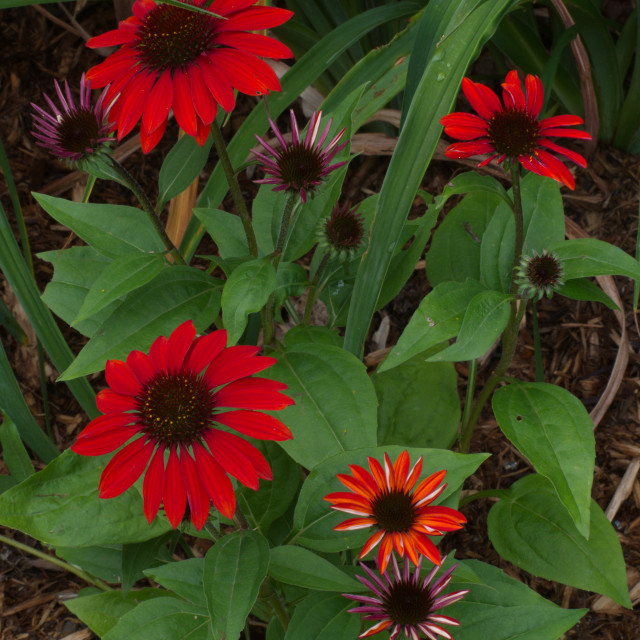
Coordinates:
464 133
175 493
202 132
134 101
159 103
253 393
378 473
430 488
255 425
120 378
105 440
196 494
371 543
183 108
217 83
125 468
230 457
235 363
514 91
215 481
426 548
204 350
400 470
481 98
556 169
153 485
535 95
179 343
254 19
113 68
567 133
150 140
224 7
256 44
108 401
384 553
127 32
204 102
559 121
572 155
158 354
140 364
460 119
466 149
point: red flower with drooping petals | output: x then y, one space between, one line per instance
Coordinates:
403 517
171 402
174 58
513 130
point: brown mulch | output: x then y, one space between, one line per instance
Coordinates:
579 339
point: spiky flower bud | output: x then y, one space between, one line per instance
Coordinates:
539 275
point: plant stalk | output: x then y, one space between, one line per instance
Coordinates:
313 289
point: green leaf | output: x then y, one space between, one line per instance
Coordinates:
543 222
226 231
272 498
586 257
247 290
161 618
314 519
181 167
14 454
123 275
418 404
234 569
486 317
103 561
113 230
184 578
323 616
74 272
303 568
137 556
455 248
55 505
17 415
175 295
435 95
532 529
551 427
437 318
102 611
493 595
335 402
583 289
301 334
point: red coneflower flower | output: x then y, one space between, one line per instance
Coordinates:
72 132
513 130
172 401
300 165
387 501
407 603
174 58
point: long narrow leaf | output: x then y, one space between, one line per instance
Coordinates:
434 96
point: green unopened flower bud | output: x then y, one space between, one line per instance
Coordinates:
539 275
342 232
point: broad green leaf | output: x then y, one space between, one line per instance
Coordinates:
226 231
314 519
335 402
14 454
543 222
301 334
247 290
184 578
532 529
103 561
303 568
181 167
113 230
100 612
137 556
55 505
18 417
323 616
586 257
551 427
175 295
291 280
161 618
437 318
486 317
493 595
454 253
472 182
272 498
435 95
583 289
74 272
123 275
418 404
234 569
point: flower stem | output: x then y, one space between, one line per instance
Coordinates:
147 207
240 519
268 329
537 348
311 297
96 582
269 593
510 334
234 187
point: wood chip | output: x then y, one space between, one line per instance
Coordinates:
624 489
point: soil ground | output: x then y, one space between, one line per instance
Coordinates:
579 340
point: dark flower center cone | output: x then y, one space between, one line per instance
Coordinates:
513 132
300 166
394 511
408 604
79 131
